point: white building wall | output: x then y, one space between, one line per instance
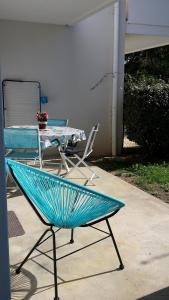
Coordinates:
150 12
148 17
67 61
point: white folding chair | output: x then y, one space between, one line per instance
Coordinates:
71 152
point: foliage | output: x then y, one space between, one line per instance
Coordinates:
146 113
153 62
152 173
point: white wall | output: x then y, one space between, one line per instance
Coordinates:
148 17
150 12
67 61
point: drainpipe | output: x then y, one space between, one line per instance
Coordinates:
118 79
4 249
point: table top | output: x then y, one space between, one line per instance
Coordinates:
57 131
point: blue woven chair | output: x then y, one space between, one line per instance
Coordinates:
22 144
58 122
61 203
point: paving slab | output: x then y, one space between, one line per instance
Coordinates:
141 229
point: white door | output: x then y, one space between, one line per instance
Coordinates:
21 102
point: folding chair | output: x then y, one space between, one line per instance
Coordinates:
61 203
22 144
70 152
58 122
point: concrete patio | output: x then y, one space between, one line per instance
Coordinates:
141 230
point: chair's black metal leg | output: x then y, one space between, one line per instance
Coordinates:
55 265
71 239
121 267
26 258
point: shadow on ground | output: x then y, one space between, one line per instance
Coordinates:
23 285
161 294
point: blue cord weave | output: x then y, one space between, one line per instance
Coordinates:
64 203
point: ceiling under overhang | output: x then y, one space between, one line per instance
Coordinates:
60 12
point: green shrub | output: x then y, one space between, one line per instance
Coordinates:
146 113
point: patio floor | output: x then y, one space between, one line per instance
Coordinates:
142 233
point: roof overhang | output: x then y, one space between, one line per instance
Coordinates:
60 12
138 42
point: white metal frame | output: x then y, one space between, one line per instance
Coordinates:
81 160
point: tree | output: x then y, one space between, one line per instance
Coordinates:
154 62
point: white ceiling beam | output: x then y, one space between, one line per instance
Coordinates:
59 12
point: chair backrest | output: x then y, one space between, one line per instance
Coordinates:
58 122
64 203
91 139
21 138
